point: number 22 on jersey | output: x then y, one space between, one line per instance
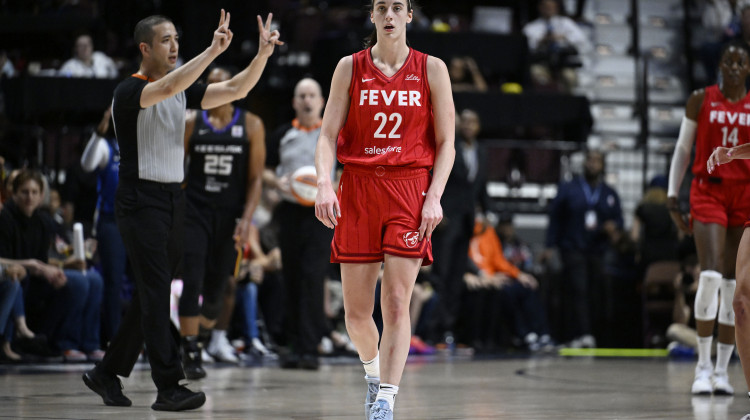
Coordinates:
383 119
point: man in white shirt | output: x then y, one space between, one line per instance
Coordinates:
552 40
88 63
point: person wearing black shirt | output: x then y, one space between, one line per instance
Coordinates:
148 110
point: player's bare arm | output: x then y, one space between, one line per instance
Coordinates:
724 155
256 135
337 108
444 115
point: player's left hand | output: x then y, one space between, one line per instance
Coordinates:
432 214
268 39
242 232
720 156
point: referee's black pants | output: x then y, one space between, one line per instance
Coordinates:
305 245
150 217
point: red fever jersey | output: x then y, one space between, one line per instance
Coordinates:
722 124
390 121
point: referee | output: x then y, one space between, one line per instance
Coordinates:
149 119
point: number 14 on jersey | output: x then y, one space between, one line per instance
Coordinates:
730 137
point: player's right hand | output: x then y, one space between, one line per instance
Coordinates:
327 208
720 156
222 34
680 220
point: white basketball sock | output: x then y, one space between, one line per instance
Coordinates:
372 367
723 354
704 351
388 392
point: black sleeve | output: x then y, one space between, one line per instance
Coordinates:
272 146
6 235
194 95
128 93
49 229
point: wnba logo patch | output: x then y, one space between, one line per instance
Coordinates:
410 239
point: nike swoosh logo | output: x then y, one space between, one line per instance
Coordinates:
203 131
367 80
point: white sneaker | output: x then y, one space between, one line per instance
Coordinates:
205 357
702 382
721 385
342 340
325 347
261 349
222 351
747 417
588 341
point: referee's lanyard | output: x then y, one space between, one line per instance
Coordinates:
592 197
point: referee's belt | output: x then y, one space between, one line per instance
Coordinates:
153 185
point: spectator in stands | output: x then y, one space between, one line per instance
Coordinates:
63 299
653 231
421 309
722 20
252 272
10 292
88 63
516 251
465 191
102 156
15 335
555 42
465 75
518 289
582 218
681 333
4 173
6 66
744 13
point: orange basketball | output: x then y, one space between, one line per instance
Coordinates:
304 185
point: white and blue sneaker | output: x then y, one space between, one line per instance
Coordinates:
373 386
720 384
702 382
381 410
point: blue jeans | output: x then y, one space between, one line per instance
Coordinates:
81 300
247 301
9 293
113 260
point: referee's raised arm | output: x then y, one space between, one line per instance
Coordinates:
159 46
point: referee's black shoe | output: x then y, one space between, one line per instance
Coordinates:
178 399
108 386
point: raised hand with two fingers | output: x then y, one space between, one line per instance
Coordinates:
268 39
222 35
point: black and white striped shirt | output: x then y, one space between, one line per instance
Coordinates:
152 139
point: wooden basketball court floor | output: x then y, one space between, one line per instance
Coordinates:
549 387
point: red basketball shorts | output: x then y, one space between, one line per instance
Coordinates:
381 210
721 201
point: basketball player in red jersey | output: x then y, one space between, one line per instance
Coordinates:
741 303
718 116
391 109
